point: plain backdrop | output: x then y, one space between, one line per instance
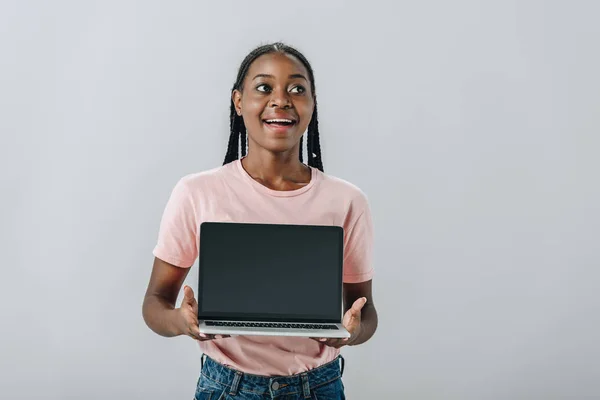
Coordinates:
473 127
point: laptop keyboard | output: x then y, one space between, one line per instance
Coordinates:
271 325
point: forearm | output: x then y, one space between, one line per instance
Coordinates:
160 316
368 325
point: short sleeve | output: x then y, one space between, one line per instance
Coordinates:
178 229
358 243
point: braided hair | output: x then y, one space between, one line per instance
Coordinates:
238 136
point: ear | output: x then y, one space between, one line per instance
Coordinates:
236 97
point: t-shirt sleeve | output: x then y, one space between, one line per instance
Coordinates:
178 229
358 242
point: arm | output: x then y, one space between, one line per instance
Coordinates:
360 317
368 313
158 308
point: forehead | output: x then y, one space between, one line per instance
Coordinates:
277 64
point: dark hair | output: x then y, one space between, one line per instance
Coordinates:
238 134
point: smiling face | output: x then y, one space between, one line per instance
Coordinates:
276 102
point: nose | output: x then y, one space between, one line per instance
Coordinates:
280 98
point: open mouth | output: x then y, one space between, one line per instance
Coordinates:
279 122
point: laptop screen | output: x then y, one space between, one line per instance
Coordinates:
270 272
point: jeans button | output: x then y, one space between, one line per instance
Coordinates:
275 385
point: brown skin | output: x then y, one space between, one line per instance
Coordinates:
159 310
360 318
276 86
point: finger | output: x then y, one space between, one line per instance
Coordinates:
206 336
188 295
358 305
335 343
222 336
354 314
196 334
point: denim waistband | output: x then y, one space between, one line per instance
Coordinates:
274 385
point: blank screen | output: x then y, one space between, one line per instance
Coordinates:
270 272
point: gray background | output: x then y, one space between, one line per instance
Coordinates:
472 126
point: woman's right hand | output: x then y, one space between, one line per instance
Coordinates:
187 320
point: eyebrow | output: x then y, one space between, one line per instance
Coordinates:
293 76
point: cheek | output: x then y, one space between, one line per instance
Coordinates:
253 106
305 109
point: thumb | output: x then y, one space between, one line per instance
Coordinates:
188 295
358 305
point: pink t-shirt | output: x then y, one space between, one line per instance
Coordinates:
229 194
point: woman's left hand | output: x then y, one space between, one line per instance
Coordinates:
351 322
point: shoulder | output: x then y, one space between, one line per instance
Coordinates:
197 181
342 188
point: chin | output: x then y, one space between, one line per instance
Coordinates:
279 145
279 149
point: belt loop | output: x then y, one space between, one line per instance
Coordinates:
343 362
305 385
202 361
236 383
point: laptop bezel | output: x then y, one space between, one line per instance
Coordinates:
258 317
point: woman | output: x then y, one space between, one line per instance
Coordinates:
273 103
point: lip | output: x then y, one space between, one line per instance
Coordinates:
280 129
280 116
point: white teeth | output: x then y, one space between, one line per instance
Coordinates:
289 121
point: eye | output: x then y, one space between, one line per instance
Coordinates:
263 88
298 89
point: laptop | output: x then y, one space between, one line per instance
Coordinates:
271 280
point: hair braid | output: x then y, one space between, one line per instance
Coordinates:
314 147
238 134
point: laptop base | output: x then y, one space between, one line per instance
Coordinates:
257 328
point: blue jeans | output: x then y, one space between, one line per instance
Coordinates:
218 382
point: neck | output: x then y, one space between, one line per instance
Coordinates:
267 166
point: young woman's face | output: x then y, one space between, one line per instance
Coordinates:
276 102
